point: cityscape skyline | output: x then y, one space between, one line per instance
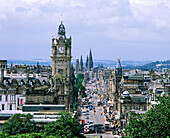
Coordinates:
130 29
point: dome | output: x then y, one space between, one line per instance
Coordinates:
125 93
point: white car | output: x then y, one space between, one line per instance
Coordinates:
90 121
84 112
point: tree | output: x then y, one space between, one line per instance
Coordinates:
154 123
19 124
65 126
78 86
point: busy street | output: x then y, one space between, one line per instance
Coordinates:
94 119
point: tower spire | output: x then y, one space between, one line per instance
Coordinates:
87 62
81 63
90 61
61 31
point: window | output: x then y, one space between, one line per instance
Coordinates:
60 71
46 108
10 106
18 101
2 106
130 107
125 107
6 97
63 97
0 97
137 107
144 108
30 98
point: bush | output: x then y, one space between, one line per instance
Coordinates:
19 124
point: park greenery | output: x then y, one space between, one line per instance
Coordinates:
20 125
154 123
78 88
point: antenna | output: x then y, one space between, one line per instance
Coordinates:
61 18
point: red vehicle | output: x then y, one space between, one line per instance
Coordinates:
82 121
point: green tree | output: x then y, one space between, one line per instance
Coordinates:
65 126
78 87
155 123
19 124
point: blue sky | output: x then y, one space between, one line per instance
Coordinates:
130 29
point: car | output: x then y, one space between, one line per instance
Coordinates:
87 113
90 121
84 112
87 117
87 110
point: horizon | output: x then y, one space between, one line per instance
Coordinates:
84 59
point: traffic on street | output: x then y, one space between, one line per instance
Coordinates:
93 114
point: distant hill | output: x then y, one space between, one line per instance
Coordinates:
155 65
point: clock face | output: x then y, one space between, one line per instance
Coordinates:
61 49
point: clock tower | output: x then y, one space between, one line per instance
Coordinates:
61 67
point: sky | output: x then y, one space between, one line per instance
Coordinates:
129 29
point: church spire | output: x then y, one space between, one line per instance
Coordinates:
90 61
81 63
87 62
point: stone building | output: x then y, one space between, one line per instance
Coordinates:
77 65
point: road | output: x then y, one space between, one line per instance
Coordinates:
97 118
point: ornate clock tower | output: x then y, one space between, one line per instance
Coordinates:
61 67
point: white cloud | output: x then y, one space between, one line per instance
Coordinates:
121 20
